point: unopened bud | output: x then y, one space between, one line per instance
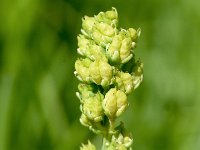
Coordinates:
114 103
86 90
119 51
85 121
96 52
125 50
105 29
124 82
100 38
93 113
83 45
88 23
123 137
112 14
113 52
82 69
122 102
101 73
89 49
137 74
109 17
127 141
133 34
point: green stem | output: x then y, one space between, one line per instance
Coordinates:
112 126
108 136
104 143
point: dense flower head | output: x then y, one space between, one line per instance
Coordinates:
108 71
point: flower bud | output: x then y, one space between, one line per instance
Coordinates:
119 51
88 146
124 82
89 49
100 38
112 14
95 127
96 52
114 103
93 113
109 17
125 50
105 29
113 50
122 102
83 45
85 121
87 24
137 74
121 139
123 136
121 142
133 34
86 90
82 69
101 73
127 141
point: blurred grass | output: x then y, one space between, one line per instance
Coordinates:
38 107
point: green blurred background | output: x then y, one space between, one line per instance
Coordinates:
38 107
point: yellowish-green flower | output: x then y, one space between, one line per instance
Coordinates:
89 49
137 74
114 103
85 121
87 25
124 82
82 69
85 91
92 107
109 17
121 48
122 137
108 71
134 34
102 34
101 73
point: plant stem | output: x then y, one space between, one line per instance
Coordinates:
112 126
104 143
108 136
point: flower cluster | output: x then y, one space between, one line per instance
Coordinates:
108 72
